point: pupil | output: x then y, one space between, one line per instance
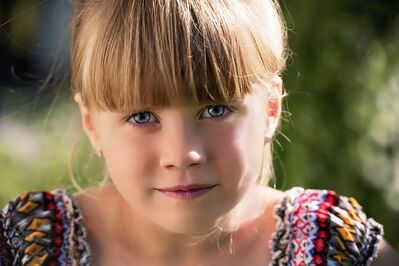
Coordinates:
141 117
218 108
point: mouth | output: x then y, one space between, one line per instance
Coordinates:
186 192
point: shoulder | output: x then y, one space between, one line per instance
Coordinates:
321 227
98 206
386 255
42 228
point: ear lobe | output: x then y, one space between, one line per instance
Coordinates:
274 106
86 119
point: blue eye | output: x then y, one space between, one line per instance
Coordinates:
217 111
144 118
141 118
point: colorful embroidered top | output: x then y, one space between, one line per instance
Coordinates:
319 227
315 227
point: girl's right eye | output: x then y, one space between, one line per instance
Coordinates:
141 118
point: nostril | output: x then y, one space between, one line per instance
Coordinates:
191 159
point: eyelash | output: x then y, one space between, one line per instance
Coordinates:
230 109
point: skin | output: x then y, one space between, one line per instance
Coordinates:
387 256
130 222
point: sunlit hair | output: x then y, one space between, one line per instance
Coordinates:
132 54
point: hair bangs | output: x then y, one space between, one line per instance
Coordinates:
160 52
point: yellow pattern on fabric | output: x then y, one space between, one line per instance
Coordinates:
341 244
346 233
23 196
34 236
340 257
28 207
346 218
33 249
37 223
354 203
354 216
37 260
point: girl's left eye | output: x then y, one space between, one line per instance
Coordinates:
216 111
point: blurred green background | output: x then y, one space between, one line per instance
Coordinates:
340 128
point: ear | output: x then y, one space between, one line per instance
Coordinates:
274 100
87 121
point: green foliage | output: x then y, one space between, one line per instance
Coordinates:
42 147
343 104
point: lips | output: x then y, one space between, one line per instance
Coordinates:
186 192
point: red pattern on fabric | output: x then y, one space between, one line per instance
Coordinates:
58 239
302 227
323 219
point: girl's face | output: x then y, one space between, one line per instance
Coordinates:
184 166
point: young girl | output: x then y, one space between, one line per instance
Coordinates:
181 99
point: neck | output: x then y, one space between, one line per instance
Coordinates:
147 240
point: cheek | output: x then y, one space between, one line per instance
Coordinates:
130 163
238 154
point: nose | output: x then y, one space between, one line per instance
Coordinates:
182 148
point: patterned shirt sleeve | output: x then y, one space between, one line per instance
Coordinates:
319 227
1 239
43 228
5 251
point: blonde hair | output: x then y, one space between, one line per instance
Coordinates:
135 54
